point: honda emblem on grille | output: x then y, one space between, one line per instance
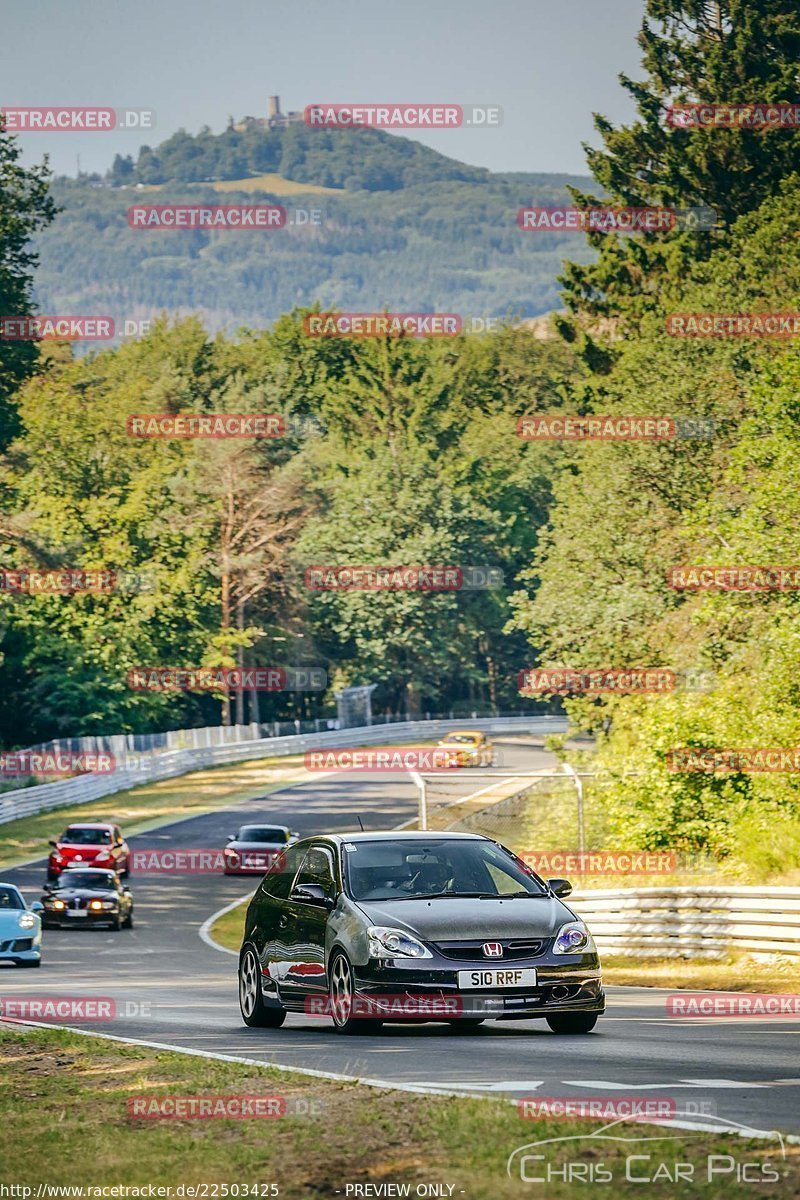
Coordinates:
492 950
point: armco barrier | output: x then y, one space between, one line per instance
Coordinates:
691 922
150 768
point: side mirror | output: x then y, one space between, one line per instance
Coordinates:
37 906
52 843
560 887
312 893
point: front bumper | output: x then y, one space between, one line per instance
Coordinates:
428 989
21 949
60 920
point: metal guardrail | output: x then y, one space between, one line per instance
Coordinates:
153 767
692 922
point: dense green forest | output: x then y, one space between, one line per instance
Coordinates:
404 451
446 245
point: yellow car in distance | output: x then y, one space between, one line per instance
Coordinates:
470 749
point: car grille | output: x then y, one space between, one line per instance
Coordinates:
18 946
473 951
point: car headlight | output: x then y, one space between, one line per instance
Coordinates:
27 920
110 904
58 904
573 938
394 943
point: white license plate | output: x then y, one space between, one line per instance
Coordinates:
498 978
76 913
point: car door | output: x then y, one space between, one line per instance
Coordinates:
266 909
305 923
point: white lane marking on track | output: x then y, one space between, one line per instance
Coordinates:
653 1087
204 931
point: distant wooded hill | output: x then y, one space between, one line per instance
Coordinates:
410 230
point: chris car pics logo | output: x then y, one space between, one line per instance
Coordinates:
618 1153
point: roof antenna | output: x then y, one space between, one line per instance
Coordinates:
360 822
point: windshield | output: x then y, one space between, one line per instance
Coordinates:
10 898
90 880
467 739
77 836
405 870
263 833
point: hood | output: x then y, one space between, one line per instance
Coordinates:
468 919
273 846
84 852
73 893
9 918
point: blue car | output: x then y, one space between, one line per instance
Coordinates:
20 928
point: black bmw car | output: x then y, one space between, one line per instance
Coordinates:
371 927
87 896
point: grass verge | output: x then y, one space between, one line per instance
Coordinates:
333 1134
152 804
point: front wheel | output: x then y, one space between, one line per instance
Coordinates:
572 1022
30 962
128 922
341 999
255 1013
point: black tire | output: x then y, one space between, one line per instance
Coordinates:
466 1024
340 976
128 922
255 1013
28 962
573 1022
116 924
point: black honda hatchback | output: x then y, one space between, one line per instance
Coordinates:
375 927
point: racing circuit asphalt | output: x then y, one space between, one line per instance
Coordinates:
172 987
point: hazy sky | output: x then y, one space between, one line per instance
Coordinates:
548 64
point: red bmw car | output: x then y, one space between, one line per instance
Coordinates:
95 845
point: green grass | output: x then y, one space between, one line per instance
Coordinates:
736 973
152 804
229 928
64 1120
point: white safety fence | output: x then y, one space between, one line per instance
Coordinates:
150 767
691 922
